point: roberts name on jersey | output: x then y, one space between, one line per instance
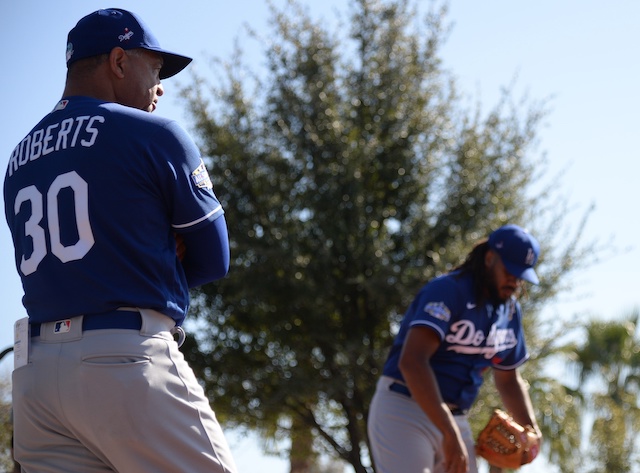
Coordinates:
69 133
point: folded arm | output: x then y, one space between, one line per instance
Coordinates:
204 252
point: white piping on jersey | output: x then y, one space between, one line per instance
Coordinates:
185 225
430 325
512 367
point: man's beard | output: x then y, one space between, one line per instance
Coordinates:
492 289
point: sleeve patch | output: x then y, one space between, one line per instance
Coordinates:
438 311
201 177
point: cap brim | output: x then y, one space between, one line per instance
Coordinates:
172 64
522 272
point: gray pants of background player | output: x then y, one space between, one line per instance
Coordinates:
114 400
402 437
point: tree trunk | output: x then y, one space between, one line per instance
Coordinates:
302 458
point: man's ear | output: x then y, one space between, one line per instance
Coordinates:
489 258
117 59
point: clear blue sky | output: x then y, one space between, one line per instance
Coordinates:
581 53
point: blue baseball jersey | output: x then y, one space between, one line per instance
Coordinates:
93 196
474 336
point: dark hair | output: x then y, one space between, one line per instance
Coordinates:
82 67
474 265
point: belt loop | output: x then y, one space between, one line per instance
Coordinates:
154 322
181 335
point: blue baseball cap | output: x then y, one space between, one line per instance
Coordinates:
101 31
518 249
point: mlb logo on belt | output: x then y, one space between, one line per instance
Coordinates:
62 326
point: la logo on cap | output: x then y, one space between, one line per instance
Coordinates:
531 257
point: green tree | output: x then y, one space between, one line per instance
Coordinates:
351 174
6 420
608 366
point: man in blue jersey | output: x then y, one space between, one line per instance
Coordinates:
113 217
458 325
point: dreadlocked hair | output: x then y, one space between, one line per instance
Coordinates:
474 265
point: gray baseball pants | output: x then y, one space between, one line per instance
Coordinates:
114 400
402 437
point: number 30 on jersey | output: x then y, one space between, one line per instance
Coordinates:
33 225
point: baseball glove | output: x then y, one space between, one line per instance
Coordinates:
505 443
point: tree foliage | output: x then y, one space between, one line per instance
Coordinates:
351 173
608 366
6 420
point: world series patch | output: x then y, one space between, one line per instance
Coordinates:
201 177
438 311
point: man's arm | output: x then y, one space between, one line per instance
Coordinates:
419 346
205 252
515 396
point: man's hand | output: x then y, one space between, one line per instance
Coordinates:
456 457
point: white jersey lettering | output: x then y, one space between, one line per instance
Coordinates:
464 338
54 138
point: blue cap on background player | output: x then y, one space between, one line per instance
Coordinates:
101 31
518 249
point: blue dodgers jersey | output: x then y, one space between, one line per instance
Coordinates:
93 195
474 336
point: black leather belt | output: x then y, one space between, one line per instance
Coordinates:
402 389
121 319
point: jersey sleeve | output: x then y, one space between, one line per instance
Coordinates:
192 200
207 253
436 306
